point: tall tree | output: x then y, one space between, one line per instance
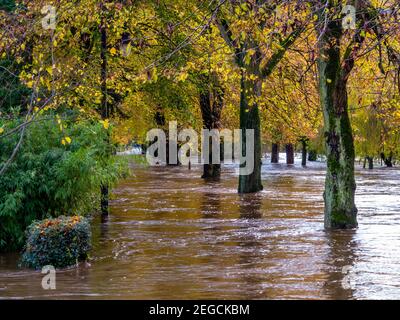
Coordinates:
244 26
334 72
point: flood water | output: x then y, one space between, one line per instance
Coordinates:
172 235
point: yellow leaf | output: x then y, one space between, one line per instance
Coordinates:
182 77
1 130
68 140
49 70
63 141
329 80
113 51
106 124
244 6
29 84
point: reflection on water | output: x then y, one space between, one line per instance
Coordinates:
172 235
342 257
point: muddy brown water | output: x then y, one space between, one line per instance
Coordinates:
172 235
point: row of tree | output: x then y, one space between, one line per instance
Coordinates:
317 72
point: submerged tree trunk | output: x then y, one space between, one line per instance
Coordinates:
289 153
340 186
211 104
370 162
250 119
104 192
275 153
303 152
159 119
388 161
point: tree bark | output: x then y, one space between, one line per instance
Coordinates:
289 153
211 104
340 186
275 153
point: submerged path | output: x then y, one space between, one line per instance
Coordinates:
171 235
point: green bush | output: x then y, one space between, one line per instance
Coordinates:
48 179
60 242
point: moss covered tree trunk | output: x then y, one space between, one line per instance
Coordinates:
340 186
250 119
275 153
211 104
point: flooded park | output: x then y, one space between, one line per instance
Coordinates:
172 235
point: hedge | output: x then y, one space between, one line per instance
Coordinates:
60 242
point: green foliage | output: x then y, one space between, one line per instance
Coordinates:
7 5
59 242
49 179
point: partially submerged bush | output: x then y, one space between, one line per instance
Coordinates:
59 242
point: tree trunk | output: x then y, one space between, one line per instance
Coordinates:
303 152
250 119
159 119
340 186
275 153
211 104
289 153
370 162
388 161
104 192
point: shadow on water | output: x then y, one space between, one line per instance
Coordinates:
211 202
250 206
